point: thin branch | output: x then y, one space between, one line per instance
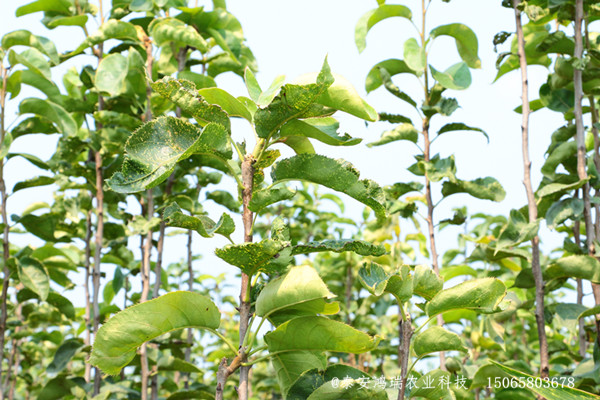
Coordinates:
532 205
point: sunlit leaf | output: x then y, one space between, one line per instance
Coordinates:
117 340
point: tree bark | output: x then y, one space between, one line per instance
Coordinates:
5 221
532 206
406 332
86 288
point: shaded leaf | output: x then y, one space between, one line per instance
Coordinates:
360 247
458 126
205 226
321 129
64 354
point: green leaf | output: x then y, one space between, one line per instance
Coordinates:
33 276
117 340
206 227
401 132
436 339
426 283
334 174
376 281
516 231
560 100
487 188
183 93
415 56
293 101
74 20
57 6
254 90
583 267
23 37
64 354
111 74
251 257
268 95
171 30
368 20
458 126
562 210
392 66
300 292
342 96
33 59
50 111
57 388
457 77
33 79
544 388
34 182
300 144
359 247
483 295
319 333
156 147
111 29
265 197
466 42
559 188
560 154
321 129
227 102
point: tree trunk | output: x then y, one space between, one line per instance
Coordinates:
532 206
